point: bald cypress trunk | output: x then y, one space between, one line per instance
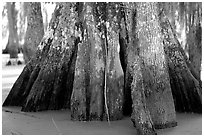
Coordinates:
98 83
115 74
155 74
35 31
87 97
142 38
134 94
42 83
92 51
186 86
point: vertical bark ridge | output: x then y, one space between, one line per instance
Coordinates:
115 75
90 77
87 98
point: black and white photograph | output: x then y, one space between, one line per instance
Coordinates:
101 68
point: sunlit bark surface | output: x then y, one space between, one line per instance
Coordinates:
156 79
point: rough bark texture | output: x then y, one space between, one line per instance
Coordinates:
141 116
142 36
115 75
156 79
41 85
35 30
81 61
13 44
21 87
98 82
186 87
134 94
87 97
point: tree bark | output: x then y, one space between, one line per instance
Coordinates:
134 93
87 100
41 85
35 30
82 58
186 87
115 75
46 92
142 38
141 117
98 83
156 79
21 87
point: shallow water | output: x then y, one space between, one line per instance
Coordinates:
58 122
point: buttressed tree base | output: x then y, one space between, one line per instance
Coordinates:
104 61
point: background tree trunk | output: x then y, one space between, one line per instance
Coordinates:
35 30
12 45
21 23
194 36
